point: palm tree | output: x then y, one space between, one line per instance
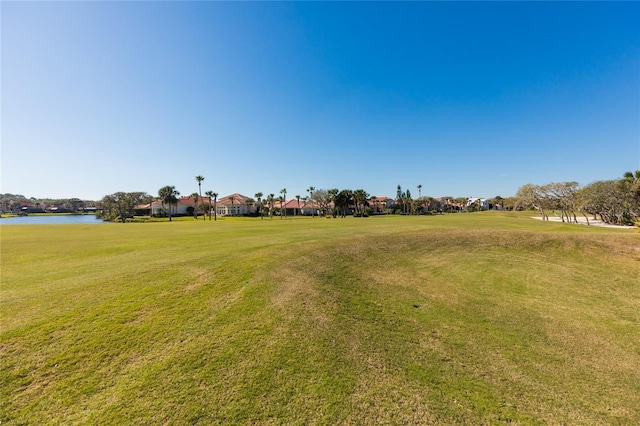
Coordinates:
310 191
195 205
259 198
210 195
297 211
360 197
283 191
270 201
169 195
215 206
199 179
249 202
419 191
279 200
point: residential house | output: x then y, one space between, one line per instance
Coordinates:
235 205
185 206
480 202
381 204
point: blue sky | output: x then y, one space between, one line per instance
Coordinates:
465 99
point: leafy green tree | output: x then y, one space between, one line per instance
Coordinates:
168 195
562 196
615 201
533 196
332 196
320 199
630 183
121 205
343 200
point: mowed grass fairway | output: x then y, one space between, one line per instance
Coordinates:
455 319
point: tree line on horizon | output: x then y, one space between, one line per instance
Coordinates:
327 202
13 203
615 201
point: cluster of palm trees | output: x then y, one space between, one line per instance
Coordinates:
323 202
169 195
269 202
333 201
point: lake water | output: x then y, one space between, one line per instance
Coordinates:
86 219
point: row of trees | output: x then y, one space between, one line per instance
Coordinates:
334 202
613 201
14 203
122 205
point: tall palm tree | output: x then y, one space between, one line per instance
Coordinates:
279 199
169 195
199 179
298 211
210 195
195 205
360 198
215 206
249 202
310 191
259 198
232 199
283 191
270 200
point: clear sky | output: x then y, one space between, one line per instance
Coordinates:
465 99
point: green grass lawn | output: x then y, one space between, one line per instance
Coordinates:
476 318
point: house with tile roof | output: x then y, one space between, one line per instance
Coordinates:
297 208
381 204
184 206
235 205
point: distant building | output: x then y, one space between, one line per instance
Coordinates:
235 205
184 206
480 202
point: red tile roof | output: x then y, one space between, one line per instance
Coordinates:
237 199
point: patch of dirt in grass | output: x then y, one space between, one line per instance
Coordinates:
384 398
296 294
198 277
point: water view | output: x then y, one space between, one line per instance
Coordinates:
70 219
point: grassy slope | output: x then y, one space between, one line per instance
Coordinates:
478 318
